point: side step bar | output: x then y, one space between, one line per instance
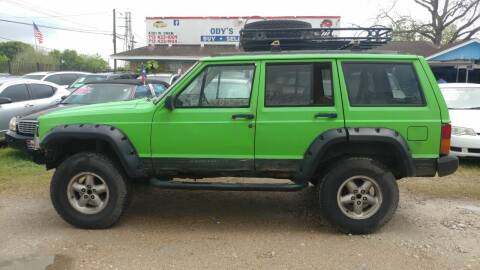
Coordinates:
225 186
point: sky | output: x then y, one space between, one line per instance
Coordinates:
96 16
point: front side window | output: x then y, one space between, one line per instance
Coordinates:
382 84
16 92
219 86
308 84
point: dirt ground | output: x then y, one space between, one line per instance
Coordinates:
165 229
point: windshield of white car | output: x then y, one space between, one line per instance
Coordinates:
99 93
462 98
87 79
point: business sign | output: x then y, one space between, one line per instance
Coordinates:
214 30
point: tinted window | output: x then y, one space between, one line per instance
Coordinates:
87 79
142 91
219 86
34 77
99 93
299 85
382 84
56 78
69 78
38 91
15 92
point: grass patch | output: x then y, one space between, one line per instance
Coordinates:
18 172
464 183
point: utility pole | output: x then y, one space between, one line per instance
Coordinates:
114 41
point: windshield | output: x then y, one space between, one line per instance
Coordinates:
99 93
462 98
34 77
87 79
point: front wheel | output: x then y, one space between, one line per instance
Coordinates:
358 195
89 191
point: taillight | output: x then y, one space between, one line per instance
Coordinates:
446 136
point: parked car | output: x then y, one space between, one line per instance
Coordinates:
169 78
20 97
99 77
337 121
62 78
22 129
463 101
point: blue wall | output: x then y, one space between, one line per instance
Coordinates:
467 52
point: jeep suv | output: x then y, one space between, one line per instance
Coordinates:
350 124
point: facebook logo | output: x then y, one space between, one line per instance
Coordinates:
176 22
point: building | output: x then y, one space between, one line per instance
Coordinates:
458 62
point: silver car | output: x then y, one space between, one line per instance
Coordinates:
20 97
62 78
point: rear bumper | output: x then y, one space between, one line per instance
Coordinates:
442 166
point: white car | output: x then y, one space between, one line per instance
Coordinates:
169 78
62 78
463 101
19 97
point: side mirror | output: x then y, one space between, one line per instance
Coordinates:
170 103
63 97
5 100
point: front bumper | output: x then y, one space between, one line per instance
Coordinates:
20 142
465 146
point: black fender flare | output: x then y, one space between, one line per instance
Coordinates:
319 147
114 137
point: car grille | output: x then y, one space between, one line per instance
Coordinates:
27 127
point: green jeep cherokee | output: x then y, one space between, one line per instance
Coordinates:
349 124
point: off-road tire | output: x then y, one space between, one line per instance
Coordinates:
327 195
118 185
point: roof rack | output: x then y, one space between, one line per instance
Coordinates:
314 38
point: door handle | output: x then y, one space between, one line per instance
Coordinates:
243 116
326 115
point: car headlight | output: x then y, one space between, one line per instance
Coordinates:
461 131
13 124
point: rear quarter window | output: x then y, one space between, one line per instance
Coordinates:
382 84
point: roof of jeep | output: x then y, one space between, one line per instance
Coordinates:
285 55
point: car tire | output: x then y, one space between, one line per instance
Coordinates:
358 195
97 177
276 24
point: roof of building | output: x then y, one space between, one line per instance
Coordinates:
423 48
462 50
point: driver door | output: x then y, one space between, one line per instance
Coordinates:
211 128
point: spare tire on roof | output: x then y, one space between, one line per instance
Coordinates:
276 24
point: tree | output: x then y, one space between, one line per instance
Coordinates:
449 21
12 48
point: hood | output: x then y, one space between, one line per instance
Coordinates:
56 107
94 109
465 118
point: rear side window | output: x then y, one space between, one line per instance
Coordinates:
69 78
298 85
16 92
38 91
382 84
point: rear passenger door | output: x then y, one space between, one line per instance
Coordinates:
392 94
300 100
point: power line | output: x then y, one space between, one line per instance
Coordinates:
60 28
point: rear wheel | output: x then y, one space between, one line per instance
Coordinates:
358 195
89 191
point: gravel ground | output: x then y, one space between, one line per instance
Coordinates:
165 229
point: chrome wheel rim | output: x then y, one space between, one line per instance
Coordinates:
87 193
359 197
